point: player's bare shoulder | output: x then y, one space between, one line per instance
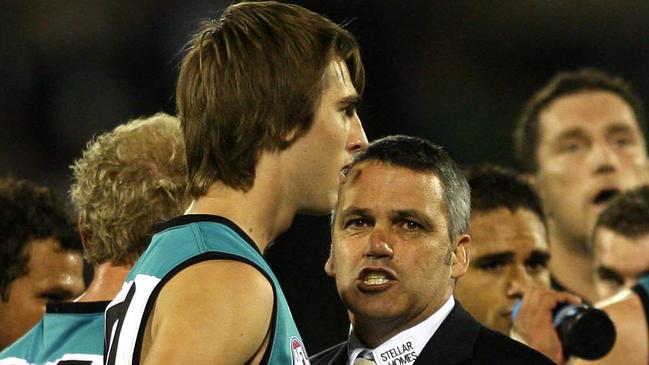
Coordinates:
217 311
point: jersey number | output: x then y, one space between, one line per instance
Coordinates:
115 316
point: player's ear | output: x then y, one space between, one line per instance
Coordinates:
460 256
84 234
329 267
293 135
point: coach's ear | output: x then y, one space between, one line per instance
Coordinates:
460 256
329 267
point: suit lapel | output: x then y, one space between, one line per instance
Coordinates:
453 341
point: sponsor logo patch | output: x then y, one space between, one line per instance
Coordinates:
298 354
400 354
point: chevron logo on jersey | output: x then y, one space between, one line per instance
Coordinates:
299 356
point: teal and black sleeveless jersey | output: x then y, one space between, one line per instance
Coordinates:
180 243
69 333
642 289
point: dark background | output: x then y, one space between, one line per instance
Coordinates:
456 72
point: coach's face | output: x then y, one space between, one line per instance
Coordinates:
392 258
590 148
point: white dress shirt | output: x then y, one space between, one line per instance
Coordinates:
404 347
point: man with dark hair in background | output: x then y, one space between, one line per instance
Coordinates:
399 245
509 258
267 98
620 242
127 181
581 137
40 256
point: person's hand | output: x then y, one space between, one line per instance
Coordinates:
533 324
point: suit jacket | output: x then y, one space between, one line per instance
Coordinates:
461 339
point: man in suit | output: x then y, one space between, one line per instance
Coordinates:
399 244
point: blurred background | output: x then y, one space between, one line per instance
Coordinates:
455 72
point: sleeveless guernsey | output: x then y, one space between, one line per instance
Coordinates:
180 243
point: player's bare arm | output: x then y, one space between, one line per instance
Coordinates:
214 312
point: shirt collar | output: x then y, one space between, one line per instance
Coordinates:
406 345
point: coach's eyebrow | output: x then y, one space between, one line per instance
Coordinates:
415 215
354 211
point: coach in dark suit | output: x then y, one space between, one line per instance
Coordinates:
399 244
